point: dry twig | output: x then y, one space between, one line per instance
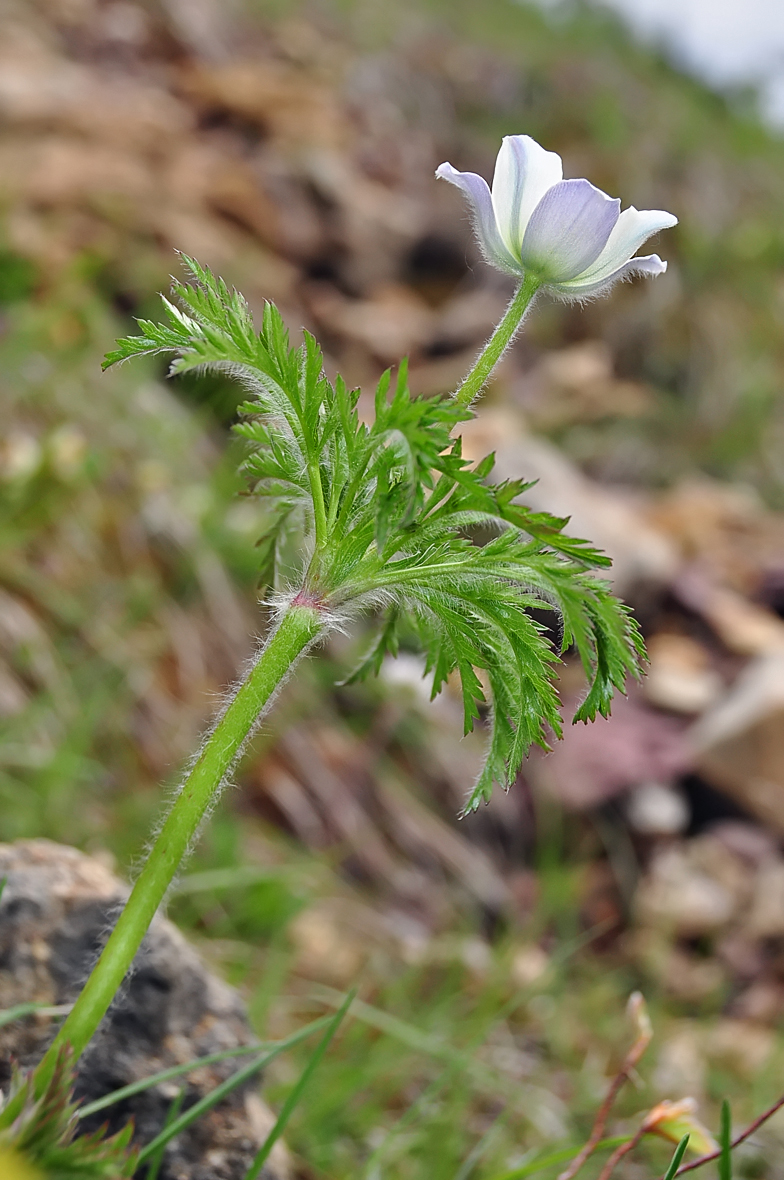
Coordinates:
647 1125
639 1015
621 1151
713 1155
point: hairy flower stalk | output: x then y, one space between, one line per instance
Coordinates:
382 516
298 627
500 340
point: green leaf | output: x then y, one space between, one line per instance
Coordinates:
177 1071
293 1099
556 1158
725 1142
28 1008
385 643
200 1108
677 1157
174 1109
223 1090
674 1120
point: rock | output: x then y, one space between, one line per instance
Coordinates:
657 809
54 913
281 100
679 674
723 528
529 963
614 523
469 318
689 978
742 1046
739 1044
741 954
693 889
681 1066
739 744
394 321
596 762
750 842
762 1002
766 916
743 627
577 384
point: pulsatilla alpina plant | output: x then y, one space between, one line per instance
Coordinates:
384 516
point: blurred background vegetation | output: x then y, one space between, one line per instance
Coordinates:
292 148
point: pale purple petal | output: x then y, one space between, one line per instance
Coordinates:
524 172
632 228
568 230
490 240
585 288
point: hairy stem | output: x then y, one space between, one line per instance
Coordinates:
499 341
298 627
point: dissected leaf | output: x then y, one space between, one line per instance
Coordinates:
385 515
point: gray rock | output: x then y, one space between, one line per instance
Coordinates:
738 745
55 912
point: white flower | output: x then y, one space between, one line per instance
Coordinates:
567 233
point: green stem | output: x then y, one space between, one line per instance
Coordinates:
499 341
319 508
298 627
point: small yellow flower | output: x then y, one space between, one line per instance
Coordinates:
14 1166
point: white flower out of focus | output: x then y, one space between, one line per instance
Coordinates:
567 233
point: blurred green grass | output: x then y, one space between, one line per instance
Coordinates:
449 1053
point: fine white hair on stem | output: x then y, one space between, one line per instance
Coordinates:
226 699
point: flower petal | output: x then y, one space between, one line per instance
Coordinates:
568 230
584 287
632 228
478 193
524 172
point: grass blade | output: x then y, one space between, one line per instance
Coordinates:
215 1096
296 1093
558 1157
236 877
171 1115
176 1071
9 1015
725 1142
201 1107
412 1036
478 1150
558 959
677 1156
